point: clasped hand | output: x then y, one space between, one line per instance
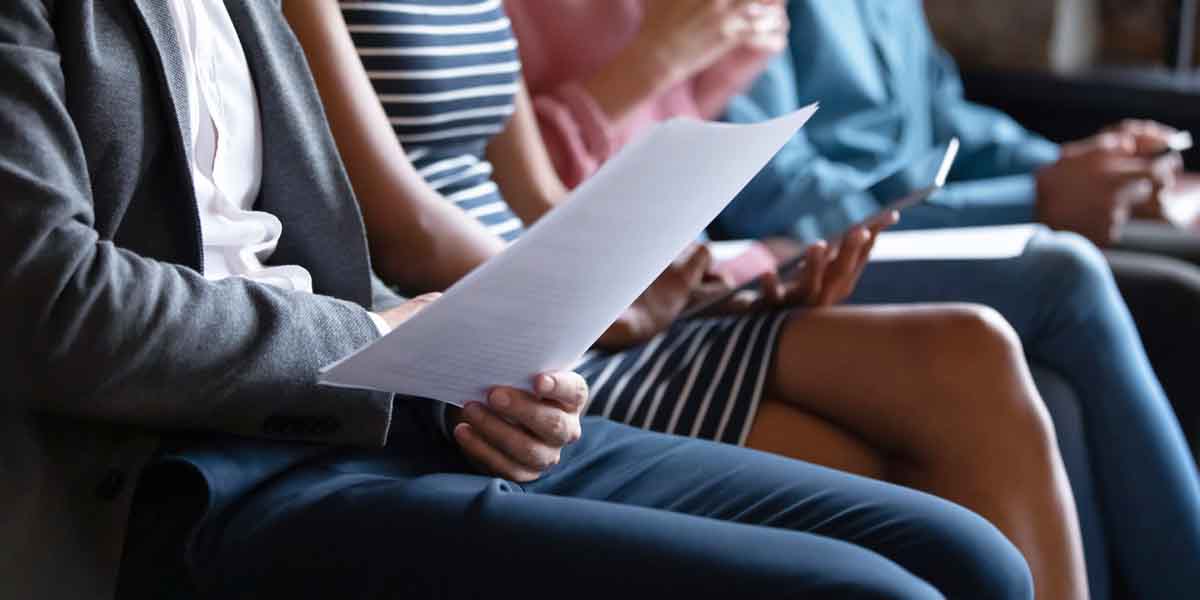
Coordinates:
687 36
1101 181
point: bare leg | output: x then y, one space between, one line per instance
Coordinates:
784 428
938 398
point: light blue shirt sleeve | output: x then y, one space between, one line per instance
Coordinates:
799 193
892 99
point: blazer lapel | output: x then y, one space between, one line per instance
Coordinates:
304 183
159 25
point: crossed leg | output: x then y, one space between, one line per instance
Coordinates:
935 397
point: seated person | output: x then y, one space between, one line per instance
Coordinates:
889 98
174 284
593 90
779 380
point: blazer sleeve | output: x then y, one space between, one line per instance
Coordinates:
97 332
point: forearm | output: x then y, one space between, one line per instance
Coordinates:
430 245
418 240
523 168
636 74
730 76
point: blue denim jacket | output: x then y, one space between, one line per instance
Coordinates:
890 100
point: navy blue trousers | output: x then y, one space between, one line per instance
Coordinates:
627 512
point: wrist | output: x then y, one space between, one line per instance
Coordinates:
639 72
653 62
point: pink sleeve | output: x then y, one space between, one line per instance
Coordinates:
729 77
577 132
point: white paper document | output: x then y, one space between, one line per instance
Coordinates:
540 304
955 243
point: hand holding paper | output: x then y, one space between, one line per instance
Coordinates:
545 300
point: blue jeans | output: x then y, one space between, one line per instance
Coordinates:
628 513
1061 299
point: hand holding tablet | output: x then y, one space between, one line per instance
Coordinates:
884 217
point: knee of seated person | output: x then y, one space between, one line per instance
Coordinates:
1070 267
978 561
978 342
998 571
968 336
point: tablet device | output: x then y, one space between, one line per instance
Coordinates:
787 267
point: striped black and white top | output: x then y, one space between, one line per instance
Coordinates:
446 72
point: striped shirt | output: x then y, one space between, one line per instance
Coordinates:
447 73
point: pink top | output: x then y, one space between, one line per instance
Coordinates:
564 42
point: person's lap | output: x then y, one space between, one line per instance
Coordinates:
627 510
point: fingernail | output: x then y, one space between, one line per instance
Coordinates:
500 399
473 410
545 384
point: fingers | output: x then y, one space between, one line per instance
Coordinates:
1132 175
1113 142
522 447
568 389
768 26
772 291
884 221
1132 192
488 458
697 265
1148 136
547 422
396 316
842 271
1121 170
1166 169
816 265
519 435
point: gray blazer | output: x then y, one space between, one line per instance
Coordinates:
110 333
